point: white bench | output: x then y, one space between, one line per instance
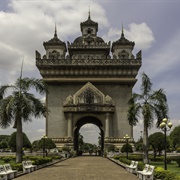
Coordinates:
11 173
139 173
33 167
133 167
26 167
5 175
147 175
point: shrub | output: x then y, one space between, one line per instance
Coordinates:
178 150
136 157
6 159
65 148
40 160
140 166
160 173
177 159
126 147
125 161
17 166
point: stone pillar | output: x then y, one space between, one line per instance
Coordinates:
107 125
70 125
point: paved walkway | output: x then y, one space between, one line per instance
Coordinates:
81 168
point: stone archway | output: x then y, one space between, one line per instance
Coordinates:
88 81
86 120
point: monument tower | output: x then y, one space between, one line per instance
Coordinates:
88 85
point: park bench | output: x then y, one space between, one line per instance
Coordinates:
139 173
33 167
3 173
26 167
11 173
147 175
132 167
6 174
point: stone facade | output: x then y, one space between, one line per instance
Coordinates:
88 85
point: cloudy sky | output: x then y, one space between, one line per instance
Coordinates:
152 24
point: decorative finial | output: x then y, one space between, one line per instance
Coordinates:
122 32
89 17
55 33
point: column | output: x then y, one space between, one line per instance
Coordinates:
70 125
107 125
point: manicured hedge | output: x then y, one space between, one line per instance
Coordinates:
160 173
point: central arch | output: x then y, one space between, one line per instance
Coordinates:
88 120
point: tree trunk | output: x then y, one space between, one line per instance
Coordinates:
19 140
145 144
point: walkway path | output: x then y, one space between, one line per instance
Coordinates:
81 168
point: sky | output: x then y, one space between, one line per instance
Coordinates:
152 24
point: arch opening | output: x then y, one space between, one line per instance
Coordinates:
80 123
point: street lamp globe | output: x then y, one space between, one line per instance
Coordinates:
165 120
165 126
170 125
162 125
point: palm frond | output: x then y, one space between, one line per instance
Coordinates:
4 89
28 83
134 110
146 85
6 111
159 100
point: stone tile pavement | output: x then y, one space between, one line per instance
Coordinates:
81 168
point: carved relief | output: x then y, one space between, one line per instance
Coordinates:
123 54
89 94
54 55
69 100
108 100
88 98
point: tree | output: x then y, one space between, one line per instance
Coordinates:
156 140
4 137
126 148
20 106
111 147
80 141
3 144
35 145
46 144
148 105
12 142
138 145
174 136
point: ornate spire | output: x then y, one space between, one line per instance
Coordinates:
122 32
55 32
89 17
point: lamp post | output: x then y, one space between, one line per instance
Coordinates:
44 137
127 139
142 141
165 126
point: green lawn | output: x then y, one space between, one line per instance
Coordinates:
173 167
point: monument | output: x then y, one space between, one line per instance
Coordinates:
88 84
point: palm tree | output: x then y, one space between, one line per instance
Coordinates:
20 106
149 105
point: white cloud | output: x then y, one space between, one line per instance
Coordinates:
40 130
32 22
141 34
